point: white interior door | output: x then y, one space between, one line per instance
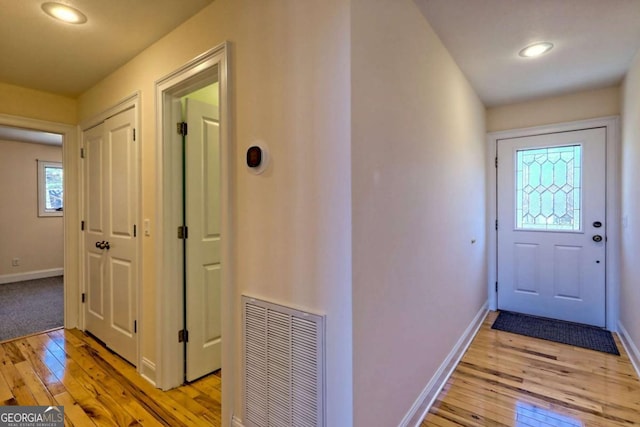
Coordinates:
110 231
552 225
95 232
203 245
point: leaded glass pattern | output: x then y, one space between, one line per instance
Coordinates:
548 187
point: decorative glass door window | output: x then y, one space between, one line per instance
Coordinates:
548 187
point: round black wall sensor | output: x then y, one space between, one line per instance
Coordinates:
254 156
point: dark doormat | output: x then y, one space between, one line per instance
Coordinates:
584 336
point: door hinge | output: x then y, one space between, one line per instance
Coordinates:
135 231
183 335
83 297
82 153
135 326
183 232
183 129
496 224
134 134
496 286
496 161
81 225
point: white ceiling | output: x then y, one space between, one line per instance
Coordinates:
595 41
41 53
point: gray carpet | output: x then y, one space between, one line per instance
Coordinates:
584 336
31 306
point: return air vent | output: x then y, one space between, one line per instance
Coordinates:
283 366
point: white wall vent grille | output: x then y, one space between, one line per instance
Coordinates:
283 366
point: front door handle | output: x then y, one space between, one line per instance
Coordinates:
597 238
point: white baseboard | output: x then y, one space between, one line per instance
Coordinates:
422 405
31 275
236 422
148 370
630 347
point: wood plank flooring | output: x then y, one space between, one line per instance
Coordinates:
503 380
96 387
510 380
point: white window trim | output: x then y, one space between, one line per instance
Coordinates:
42 185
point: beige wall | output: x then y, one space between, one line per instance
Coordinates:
34 104
37 241
557 109
630 242
418 192
290 88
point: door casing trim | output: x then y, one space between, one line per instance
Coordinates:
169 356
612 265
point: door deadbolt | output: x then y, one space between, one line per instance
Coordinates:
597 224
597 238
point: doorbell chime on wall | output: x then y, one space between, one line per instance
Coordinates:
257 158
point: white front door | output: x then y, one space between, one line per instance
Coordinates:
203 245
110 232
552 225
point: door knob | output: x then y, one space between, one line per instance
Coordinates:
103 245
597 238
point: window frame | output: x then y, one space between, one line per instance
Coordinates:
42 186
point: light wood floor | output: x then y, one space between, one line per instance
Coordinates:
503 380
510 380
96 387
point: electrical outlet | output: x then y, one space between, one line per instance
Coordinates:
15 262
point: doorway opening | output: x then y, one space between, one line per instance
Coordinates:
194 156
71 265
32 270
598 228
551 223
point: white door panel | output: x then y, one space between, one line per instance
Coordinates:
203 210
95 288
111 194
551 192
96 293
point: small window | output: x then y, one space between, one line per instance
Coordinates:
50 189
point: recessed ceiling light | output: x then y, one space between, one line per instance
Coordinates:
536 49
64 13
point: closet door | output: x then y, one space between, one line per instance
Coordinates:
110 233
